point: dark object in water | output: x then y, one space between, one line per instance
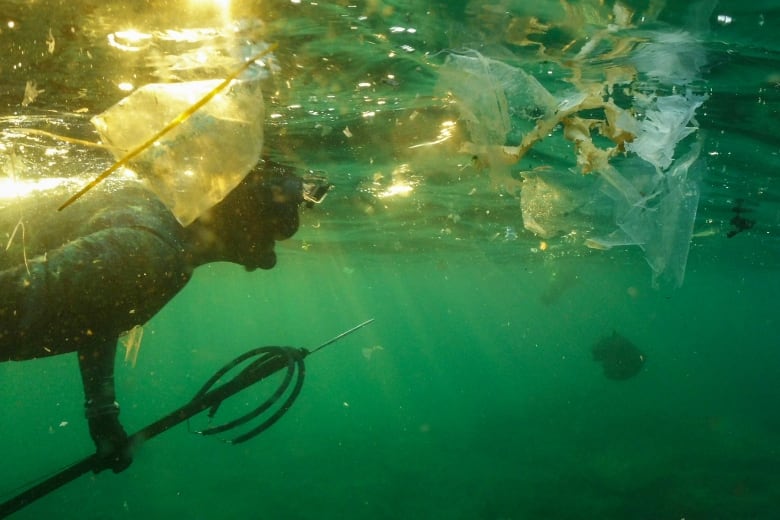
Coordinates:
619 357
739 222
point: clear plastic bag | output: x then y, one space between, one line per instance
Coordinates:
641 150
487 91
195 165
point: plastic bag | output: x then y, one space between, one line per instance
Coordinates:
487 92
555 204
670 57
667 221
199 162
666 123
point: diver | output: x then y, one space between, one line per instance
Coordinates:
80 278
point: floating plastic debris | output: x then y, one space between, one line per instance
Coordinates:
200 161
191 142
132 343
639 145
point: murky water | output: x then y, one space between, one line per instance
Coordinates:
474 394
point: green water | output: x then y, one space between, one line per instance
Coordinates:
473 394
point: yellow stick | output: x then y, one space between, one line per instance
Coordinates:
72 140
170 126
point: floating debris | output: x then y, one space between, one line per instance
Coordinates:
369 351
739 222
620 358
31 93
132 343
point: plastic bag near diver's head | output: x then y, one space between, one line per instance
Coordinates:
195 165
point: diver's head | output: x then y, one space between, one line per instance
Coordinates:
262 209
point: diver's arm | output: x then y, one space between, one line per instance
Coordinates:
96 363
81 297
87 292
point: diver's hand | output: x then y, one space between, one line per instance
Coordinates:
111 441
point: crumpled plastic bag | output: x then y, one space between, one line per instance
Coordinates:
195 165
670 57
555 204
662 223
667 122
486 91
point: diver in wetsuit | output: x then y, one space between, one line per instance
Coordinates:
75 280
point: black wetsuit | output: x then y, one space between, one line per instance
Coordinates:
82 276
75 280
